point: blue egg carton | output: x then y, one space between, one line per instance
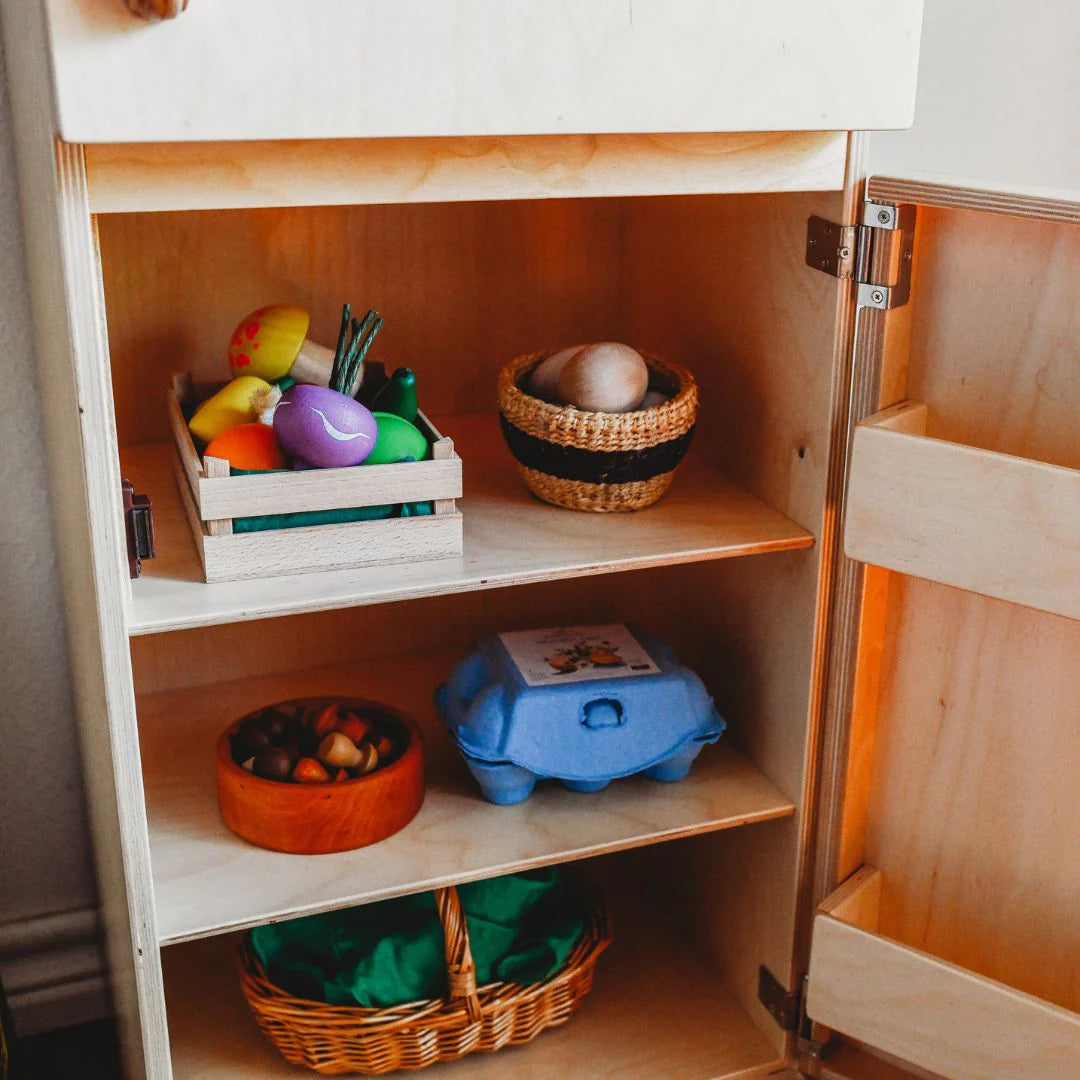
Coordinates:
584 705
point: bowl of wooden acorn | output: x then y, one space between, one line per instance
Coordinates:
321 774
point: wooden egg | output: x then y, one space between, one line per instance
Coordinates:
605 377
252 447
544 380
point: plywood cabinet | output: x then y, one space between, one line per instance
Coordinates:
905 719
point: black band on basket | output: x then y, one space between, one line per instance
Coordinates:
594 466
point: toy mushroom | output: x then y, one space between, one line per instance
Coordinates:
272 343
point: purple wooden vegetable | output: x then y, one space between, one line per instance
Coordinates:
327 429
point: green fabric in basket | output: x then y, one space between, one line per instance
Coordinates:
304 518
522 928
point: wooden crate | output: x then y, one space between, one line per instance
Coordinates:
212 499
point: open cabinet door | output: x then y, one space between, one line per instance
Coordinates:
949 852
998 100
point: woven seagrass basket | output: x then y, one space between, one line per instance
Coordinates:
335 1039
598 461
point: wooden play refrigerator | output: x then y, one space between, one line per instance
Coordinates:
870 554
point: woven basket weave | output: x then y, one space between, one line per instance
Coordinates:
335 1039
595 460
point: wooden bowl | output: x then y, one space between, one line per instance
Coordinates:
316 819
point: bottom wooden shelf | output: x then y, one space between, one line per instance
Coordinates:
924 1010
656 1011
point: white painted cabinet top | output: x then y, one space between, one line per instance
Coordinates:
316 69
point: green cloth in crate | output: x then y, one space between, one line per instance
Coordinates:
522 928
304 518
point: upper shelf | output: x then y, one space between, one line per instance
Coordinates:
281 69
510 539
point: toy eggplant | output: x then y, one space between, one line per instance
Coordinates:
323 427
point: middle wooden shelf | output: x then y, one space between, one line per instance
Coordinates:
206 880
511 538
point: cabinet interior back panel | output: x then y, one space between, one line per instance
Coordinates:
974 818
717 283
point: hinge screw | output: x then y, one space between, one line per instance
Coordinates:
884 217
844 252
877 296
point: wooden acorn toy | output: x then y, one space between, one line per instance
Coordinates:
339 750
272 342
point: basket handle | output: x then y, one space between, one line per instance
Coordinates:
459 962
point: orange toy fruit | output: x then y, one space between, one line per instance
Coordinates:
251 447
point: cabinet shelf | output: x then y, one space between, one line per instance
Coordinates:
994 524
207 880
655 1010
510 539
922 1009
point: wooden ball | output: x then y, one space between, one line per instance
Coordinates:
606 377
544 380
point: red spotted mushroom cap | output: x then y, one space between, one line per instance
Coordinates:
267 341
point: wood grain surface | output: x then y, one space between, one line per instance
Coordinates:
935 1014
204 874
489 67
221 176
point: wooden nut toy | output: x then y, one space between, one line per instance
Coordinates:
339 750
310 771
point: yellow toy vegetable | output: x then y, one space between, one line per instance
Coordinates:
230 407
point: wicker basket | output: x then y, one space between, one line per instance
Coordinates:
594 460
334 1039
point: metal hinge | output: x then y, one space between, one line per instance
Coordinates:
877 253
139 528
788 1009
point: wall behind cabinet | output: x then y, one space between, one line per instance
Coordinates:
49 953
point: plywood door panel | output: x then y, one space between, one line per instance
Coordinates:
275 69
973 818
998 88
